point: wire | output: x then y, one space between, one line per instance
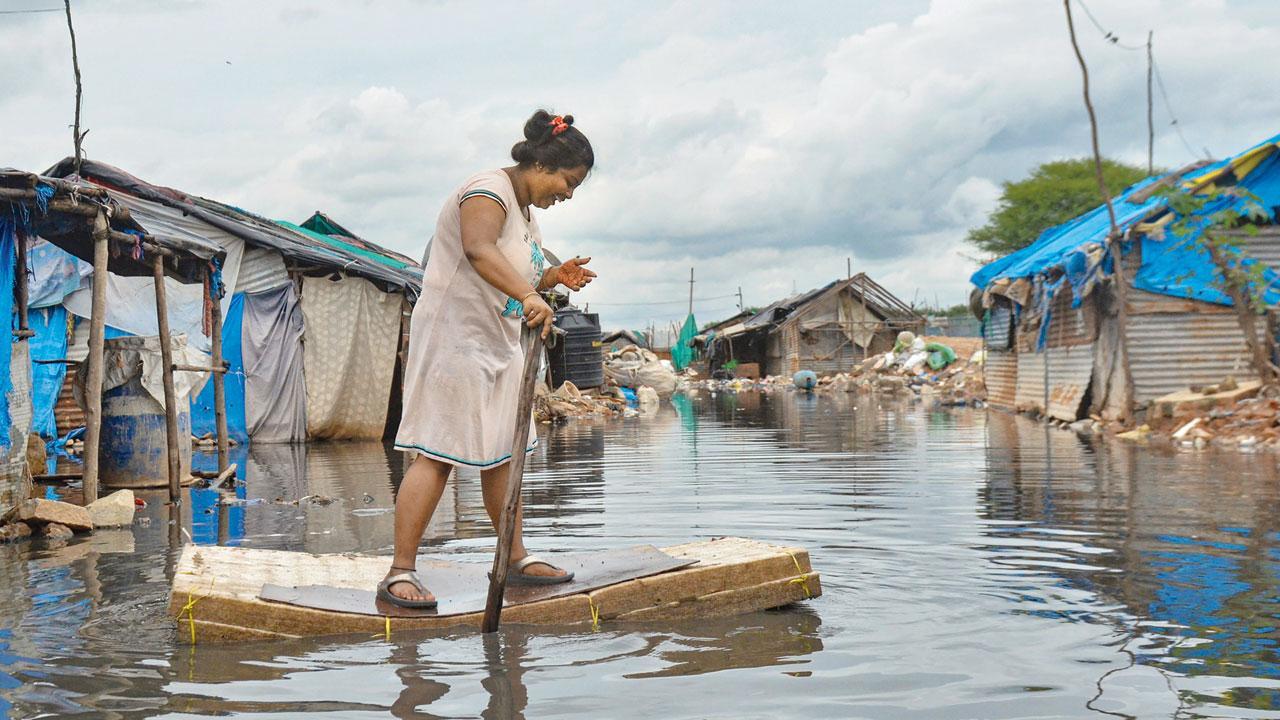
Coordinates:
1107 34
664 302
30 12
1173 120
1114 40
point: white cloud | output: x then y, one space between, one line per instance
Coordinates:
762 145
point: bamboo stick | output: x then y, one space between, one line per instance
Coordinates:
97 328
515 475
219 381
21 291
166 373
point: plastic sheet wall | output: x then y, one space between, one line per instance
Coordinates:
13 464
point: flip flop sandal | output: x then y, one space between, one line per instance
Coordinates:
517 576
408 576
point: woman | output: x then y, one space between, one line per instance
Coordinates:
465 360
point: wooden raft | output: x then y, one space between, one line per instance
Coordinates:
216 591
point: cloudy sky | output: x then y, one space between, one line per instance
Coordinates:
761 143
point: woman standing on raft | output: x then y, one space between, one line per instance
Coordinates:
465 362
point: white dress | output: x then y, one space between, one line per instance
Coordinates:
462 377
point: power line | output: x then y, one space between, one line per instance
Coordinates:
1107 34
1114 40
30 12
667 302
1173 120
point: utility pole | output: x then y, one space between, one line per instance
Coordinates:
76 135
690 291
848 267
1151 127
741 307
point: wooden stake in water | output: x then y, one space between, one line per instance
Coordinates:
515 475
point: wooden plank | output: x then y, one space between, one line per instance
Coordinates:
221 586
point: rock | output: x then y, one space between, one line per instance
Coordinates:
56 531
36 456
14 531
1083 427
113 510
41 512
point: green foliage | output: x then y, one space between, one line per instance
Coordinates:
1193 223
730 366
1054 193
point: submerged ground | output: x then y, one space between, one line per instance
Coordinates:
975 565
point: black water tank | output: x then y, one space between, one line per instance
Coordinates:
578 358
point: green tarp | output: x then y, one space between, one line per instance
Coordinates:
336 243
682 353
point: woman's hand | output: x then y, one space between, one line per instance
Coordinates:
573 275
538 312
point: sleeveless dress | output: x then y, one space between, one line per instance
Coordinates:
463 372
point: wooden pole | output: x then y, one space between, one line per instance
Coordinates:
76 135
219 379
515 475
97 333
690 291
1151 123
20 288
166 373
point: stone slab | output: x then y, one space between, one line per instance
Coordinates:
114 510
40 512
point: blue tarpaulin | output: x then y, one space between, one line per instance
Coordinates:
203 419
49 344
1170 265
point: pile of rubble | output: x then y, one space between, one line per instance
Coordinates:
568 401
1249 424
55 520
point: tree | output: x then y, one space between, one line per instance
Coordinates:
1054 193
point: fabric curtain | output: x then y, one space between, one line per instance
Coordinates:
48 344
275 391
352 334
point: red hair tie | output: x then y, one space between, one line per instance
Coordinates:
558 125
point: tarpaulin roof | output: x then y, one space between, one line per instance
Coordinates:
1170 265
72 231
254 229
325 225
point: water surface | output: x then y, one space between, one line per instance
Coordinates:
974 565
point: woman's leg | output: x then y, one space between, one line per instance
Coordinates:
416 501
493 484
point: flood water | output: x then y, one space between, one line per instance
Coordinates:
974 565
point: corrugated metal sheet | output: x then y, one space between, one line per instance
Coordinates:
999 329
1070 326
261 270
1030 387
1070 369
1265 246
68 413
1000 373
1172 351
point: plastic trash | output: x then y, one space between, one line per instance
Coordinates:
805 380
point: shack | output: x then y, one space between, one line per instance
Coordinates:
89 223
1068 336
316 318
827 330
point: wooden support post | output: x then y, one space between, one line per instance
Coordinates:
515 475
20 289
166 373
97 330
219 380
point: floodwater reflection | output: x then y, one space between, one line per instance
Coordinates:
975 565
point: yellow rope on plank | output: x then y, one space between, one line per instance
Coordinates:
802 581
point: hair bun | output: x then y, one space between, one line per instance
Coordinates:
568 119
